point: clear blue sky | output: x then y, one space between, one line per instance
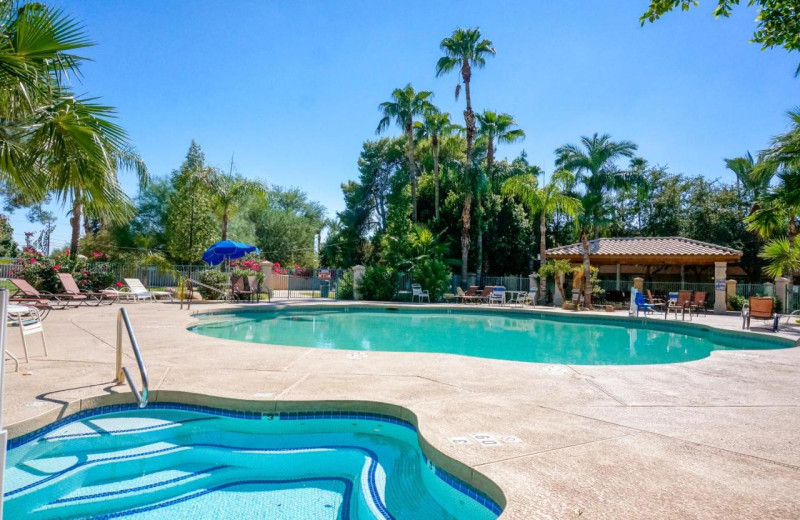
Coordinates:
292 88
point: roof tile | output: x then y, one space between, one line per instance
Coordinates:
636 246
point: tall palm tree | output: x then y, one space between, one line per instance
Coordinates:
435 125
405 104
544 201
465 49
594 166
229 192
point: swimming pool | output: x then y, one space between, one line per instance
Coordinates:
583 339
186 462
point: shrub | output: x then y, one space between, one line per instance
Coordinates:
433 275
214 278
379 283
736 302
344 287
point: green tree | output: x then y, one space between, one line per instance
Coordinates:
493 129
286 228
465 49
545 202
191 225
778 20
406 103
435 125
230 191
594 166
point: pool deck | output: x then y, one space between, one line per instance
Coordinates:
713 438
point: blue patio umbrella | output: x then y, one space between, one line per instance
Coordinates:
227 250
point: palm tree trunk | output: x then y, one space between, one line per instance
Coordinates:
543 254
479 268
469 120
75 222
465 223
225 225
587 283
435 145
87 228
412 168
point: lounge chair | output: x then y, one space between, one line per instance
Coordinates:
642 305
498 295
792 319
470 295
681 302
239 292
576 297
30 294
417 292
483 296
699 303
760 308
140 292
530 297
85 298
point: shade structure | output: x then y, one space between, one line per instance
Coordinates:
227 250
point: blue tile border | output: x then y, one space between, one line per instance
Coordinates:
450 479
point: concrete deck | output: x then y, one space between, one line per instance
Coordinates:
713 438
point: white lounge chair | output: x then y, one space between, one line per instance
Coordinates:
140 292
417 292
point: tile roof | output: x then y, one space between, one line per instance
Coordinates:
647 246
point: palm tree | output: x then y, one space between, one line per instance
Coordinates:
594 166
546 201
229 192
753 176
495 129
405 104
435 125
465 49
82 151
50 140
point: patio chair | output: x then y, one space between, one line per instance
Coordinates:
140 292
760 308
239 292
699 303
85 298
681 302
520 299
31 294
657 303
418 293
29 321
642 305
498 295
255 287
531 297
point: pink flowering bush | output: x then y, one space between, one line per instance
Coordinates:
42 272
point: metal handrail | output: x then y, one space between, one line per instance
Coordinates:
141 398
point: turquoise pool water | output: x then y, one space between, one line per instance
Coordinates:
530 337
181 462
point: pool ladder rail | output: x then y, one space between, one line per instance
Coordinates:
141 397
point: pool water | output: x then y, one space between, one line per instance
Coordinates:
181 462
533 337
